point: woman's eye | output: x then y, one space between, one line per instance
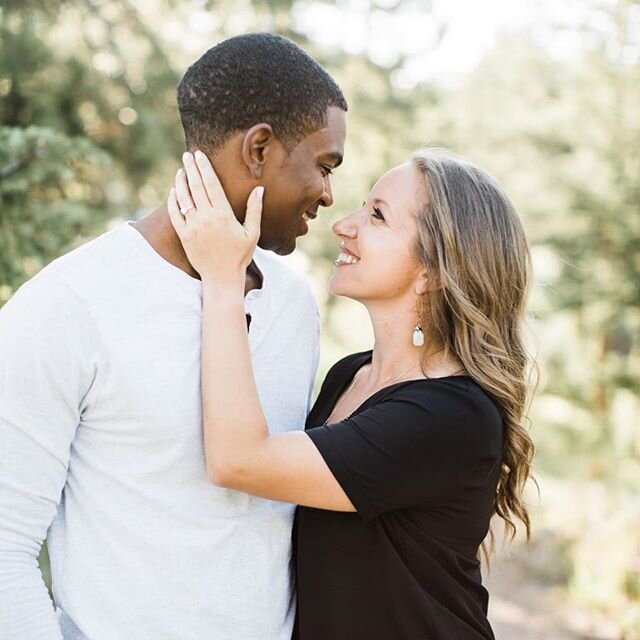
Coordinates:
377 213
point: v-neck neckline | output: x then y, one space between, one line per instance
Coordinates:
360 362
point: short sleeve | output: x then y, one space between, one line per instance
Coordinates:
414 448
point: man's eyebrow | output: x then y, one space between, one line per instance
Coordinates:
336 158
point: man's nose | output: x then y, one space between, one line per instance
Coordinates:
327 195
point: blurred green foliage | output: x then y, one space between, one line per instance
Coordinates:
89 131
51 193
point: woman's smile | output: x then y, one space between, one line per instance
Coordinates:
346 256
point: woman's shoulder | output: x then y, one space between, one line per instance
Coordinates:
456 390
453 402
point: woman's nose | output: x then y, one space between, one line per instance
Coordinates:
346 226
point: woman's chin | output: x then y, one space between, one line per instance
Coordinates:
336 289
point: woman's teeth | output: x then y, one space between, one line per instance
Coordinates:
345 258
306 217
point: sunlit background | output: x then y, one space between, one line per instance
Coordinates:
545 95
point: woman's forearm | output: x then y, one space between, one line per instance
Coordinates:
239 451
234 423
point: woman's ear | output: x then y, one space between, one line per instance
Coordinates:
423 284
255 148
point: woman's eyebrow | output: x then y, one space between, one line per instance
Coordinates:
384 202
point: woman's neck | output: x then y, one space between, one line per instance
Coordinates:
395 355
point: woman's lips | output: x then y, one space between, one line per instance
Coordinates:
344 249
346 257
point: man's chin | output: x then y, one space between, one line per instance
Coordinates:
280 246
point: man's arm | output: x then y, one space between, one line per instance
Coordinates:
48 353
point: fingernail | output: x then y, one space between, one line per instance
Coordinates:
186 156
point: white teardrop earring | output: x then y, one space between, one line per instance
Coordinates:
418 336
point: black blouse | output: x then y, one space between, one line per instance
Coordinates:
420 462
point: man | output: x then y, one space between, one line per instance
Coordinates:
100 413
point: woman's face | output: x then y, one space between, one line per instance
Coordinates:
377 259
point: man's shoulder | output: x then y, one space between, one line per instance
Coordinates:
61 288
77 269
91 251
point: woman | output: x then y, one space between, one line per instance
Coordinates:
410 448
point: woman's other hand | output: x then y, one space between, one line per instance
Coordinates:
217 245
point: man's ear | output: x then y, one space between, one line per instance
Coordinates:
255 148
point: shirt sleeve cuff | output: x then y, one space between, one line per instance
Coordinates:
324 440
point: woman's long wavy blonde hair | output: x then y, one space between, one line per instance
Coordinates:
472 241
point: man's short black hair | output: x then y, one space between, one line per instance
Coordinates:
258 77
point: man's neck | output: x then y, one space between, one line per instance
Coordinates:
157 230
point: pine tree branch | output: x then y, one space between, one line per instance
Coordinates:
17 165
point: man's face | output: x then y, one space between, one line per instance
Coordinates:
296 184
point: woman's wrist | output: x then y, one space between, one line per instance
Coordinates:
228 286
